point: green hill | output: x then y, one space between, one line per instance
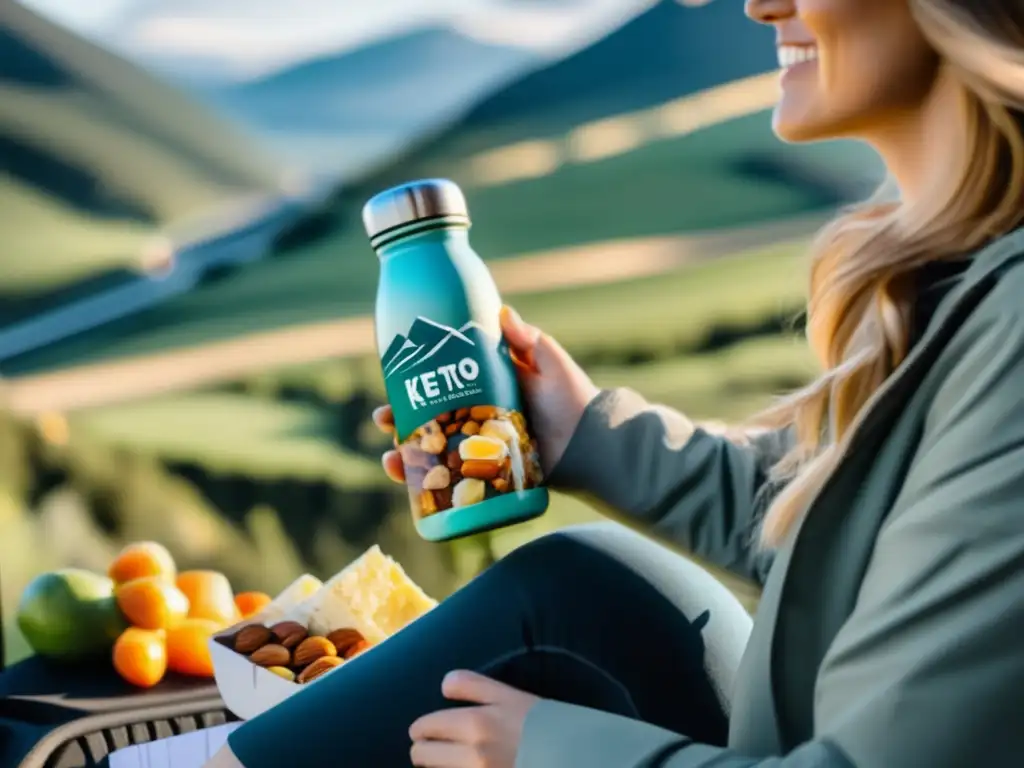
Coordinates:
666 319
228 432
98 155
46 243
666 51
707 161
690 183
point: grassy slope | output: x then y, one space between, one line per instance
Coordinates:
131 99
676 309
266 438
144 142
131 129
730 385
255 433
678 185
666 309
51 243
232 433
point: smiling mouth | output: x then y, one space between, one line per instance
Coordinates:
791 55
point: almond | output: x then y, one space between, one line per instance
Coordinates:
319 667
311 649
483 412
443 498
355 650
252 638
454 461
289 633
481 469
344 639
272 655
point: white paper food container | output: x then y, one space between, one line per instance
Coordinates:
247 690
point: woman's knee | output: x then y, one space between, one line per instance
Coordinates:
608 540
545 557
571 538
681 579
592 542
576 550
605 552
571 557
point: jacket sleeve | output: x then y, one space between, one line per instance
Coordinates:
929 667
653 468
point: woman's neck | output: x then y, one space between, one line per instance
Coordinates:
922 145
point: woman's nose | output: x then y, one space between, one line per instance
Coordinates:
770 11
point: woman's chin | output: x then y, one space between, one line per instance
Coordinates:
797 129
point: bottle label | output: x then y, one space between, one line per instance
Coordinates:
458 419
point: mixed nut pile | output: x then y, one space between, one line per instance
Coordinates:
465 456
289 651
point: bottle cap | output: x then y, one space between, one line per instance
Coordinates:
415 201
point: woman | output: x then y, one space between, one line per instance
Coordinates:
883 514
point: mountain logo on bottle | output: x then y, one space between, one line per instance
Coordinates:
437 363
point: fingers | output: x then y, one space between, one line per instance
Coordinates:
392 460
521 337
464 685
448 725
384 419
549 356
394 468
442 754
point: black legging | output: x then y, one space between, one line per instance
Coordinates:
559 617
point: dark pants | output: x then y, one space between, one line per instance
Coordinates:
566 617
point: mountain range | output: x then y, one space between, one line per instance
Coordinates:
352 111
732 173
667 51
660 57
347 111
424 342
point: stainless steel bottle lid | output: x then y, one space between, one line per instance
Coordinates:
415 201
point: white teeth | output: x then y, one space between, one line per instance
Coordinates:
791 55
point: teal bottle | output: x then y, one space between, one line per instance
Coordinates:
471 461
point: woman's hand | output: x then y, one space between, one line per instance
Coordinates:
484 736
556 390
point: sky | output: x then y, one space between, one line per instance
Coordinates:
251 37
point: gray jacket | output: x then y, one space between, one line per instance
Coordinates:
891 627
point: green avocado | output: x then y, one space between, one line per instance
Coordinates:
70 614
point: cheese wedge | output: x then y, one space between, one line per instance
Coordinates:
290 597
379 591
373 595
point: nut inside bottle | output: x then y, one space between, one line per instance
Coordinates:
466 456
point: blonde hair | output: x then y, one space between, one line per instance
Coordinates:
862 292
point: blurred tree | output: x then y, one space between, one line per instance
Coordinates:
278 557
